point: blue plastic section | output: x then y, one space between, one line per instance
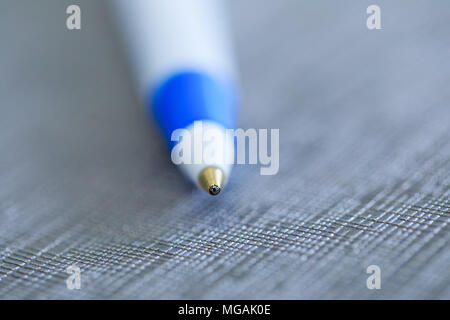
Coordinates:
189 96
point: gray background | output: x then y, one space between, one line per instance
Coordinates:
364 160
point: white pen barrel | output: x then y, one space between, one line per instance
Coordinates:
164 36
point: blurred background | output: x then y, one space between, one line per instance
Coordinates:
364 174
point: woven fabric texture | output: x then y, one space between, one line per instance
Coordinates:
364 177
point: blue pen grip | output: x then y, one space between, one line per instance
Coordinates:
190 96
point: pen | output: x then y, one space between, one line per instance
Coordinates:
180 53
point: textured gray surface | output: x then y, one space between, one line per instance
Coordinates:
364 160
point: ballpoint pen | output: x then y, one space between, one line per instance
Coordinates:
180 53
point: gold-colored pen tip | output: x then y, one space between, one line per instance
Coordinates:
211 179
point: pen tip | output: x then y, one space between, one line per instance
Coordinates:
211 179
214 190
